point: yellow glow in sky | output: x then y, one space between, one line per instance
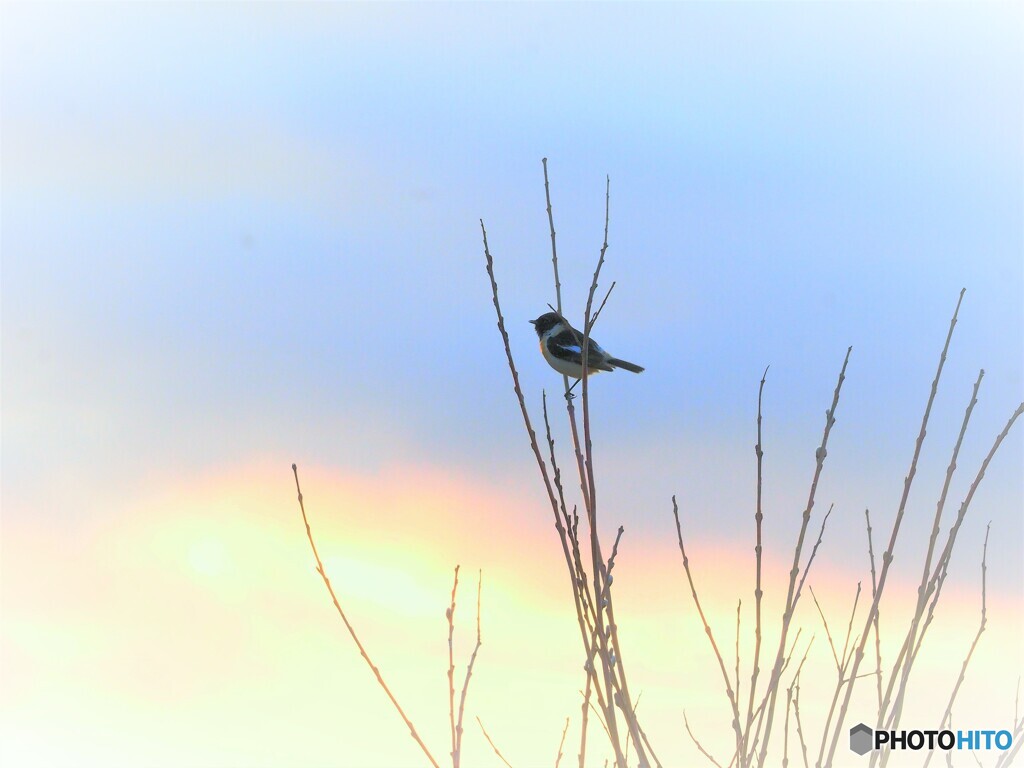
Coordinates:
190 628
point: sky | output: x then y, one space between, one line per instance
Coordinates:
237 236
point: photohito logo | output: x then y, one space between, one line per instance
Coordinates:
863 739
860 739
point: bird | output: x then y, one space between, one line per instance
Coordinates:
561 345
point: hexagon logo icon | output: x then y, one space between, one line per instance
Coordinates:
860 739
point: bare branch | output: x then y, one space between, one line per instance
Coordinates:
939 575
981 628
913 640
600 718
887 555
948 714
799 725
647 742
828 634
593 602
1007 758
841 678
583 726
489 741
760 711
814 551
707 629
351 629
739 606
450 614
610 651
570 530
849 626
758 593
785 729
874 590
697 743
562 743
793 593
597 314
569 563
615 551
551 224
469 667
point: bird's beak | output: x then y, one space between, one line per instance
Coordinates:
533 322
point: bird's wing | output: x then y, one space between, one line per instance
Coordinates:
567 346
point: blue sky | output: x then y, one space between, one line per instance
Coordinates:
246 233
227 208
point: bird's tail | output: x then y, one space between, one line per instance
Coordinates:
623 364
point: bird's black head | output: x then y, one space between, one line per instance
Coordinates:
546 322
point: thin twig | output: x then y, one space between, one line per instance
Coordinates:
912 639
615 551
739 607
799 725
597 314
351 630
758 593
981 628
888 554
629 736
792 649
450 614
707 629
562 743
1008 757
1016 701
874 589
800 666
814 552
643 735
785 729
583 724
949 757
939 576
760 711
554 259
828 634
841 678
600 719
697 743
570 528
793 594
887 557
647 742
469 667
489 741
551 222
849 627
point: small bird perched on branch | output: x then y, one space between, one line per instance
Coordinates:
561 345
